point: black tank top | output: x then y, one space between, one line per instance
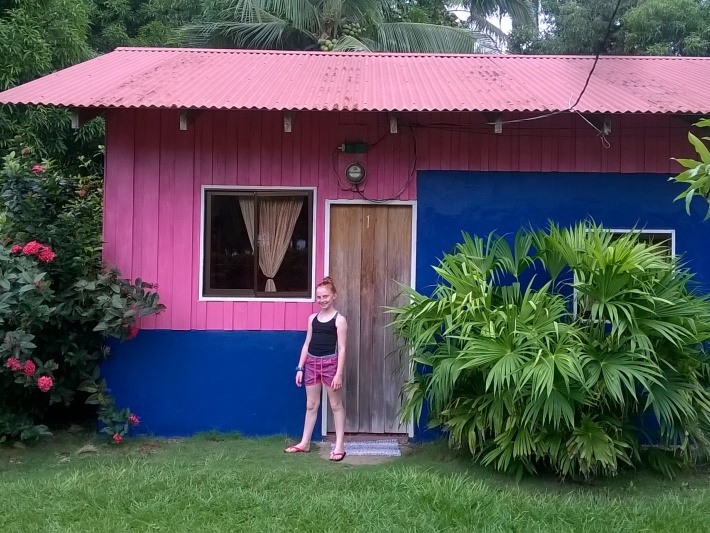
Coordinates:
324 339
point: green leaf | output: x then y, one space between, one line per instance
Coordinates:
700 148
688 163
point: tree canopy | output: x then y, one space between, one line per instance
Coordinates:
36 38
641 27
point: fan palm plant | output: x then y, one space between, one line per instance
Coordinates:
511 370
328 25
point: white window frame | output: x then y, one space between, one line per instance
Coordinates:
623 231
261 188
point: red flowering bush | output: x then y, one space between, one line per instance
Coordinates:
58 302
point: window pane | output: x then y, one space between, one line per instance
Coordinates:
664 239
277 214
231 253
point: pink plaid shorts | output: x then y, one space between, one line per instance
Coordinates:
321 370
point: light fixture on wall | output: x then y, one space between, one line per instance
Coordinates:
355 173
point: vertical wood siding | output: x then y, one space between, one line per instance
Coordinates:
155 172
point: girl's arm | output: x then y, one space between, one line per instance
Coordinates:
304 350
341 325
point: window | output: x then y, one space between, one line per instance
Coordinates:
258 243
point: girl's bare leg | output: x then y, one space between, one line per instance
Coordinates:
335 397
313 393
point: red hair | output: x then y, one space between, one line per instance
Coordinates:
328 282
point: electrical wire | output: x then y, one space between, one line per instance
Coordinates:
571 107
470 127
334 163
334 157
599 51
412 173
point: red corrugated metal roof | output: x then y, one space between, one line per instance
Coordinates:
323 81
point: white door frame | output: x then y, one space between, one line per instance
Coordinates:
326 269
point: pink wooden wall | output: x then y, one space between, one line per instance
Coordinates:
154 175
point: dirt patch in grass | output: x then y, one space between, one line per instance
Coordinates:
149 447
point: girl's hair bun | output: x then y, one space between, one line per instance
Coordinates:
328 282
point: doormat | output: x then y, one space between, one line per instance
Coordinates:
383 448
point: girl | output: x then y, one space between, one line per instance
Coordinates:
322 361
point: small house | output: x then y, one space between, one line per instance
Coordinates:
237 179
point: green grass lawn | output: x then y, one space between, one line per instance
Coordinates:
227 483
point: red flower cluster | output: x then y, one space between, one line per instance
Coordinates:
43 253
46 255
38 169
132 332
117 438
134 420
45 383
14 364
32 248
30 368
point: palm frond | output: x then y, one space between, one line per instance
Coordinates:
426 38
301 14
273 35
482 24
350 44
592 447
519 10
668 399
623 372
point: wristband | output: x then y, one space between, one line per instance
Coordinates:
299 369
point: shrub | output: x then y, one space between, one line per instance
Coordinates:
513 373
57 300
697 173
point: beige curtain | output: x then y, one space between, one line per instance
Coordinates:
277 219
246 203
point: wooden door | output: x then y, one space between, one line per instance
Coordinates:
370 251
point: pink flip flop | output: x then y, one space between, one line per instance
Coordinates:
339 456
295 449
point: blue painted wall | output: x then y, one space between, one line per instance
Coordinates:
482 202
186 382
